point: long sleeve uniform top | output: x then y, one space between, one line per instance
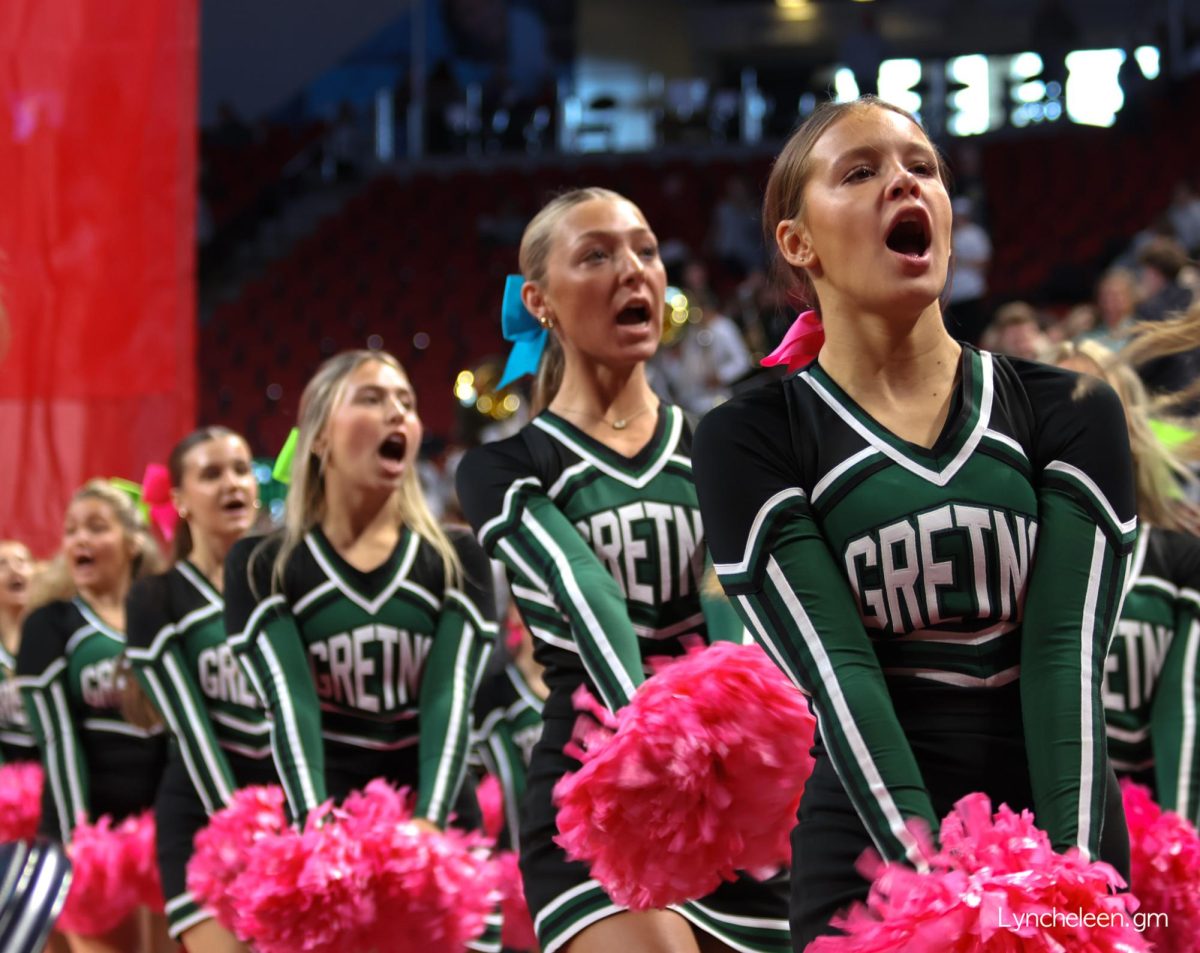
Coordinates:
997 556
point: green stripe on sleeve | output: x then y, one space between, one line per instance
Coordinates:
448 684
276 655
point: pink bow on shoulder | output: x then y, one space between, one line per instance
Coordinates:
801 344
156 494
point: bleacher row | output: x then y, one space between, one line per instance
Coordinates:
404 259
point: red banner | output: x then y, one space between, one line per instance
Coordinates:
97 238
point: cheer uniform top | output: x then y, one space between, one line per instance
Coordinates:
16 740
605 557
219 731
96 763
948 610
508 715
1151 677
366 674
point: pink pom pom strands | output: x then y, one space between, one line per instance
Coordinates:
221 847
20 800
518 933
1165 871
698 777
359 877
110 878
995 887
491 805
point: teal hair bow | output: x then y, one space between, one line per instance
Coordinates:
520 327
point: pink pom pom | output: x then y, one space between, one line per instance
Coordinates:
996 886
491 805
102 891
20 800
221 847
701 777
433 890
359 877
141 859
305 890
1165 871
518 932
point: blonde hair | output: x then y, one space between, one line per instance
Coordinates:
1150 340
305 505
1158 470
55 583
536 242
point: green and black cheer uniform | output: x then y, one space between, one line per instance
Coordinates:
16 740
508 716
605 556
948 610
96 763
1151 678
219 731
365 674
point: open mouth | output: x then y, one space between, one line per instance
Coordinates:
634 314
17 585
234 506
394 447
83 561
909 237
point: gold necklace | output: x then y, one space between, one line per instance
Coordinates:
619 424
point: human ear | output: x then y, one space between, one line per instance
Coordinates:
535 303
795 244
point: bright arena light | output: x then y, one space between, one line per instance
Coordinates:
1094 96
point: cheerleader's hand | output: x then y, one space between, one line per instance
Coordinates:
423 824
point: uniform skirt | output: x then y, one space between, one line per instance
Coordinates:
564 899
178 816
123 778
964 740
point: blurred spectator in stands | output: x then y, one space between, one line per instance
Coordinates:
1134 117
862 51
442 95
1081 320
971 255
1116 296
694 283
710 356
1017 332
735 235
1161 263
762 310
1184 213
343 151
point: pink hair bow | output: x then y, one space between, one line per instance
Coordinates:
801 344
156 495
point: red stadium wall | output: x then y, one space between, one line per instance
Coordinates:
97 235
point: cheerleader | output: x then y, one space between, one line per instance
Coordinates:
96 762
929 539
363 623
178 651
1151 682
16 571
592 510
508 713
